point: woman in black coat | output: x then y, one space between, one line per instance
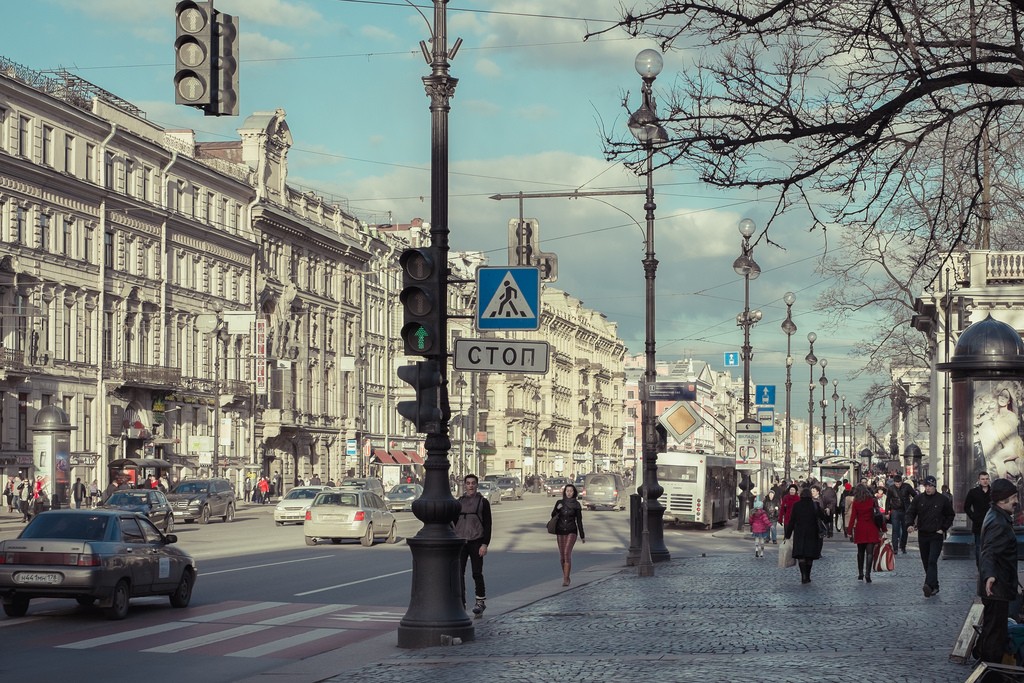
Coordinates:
802 527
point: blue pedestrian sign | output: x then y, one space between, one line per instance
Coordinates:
764 395
508 298
732 359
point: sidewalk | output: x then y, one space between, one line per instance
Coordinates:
727 617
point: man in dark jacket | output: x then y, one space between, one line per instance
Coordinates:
997 571
828 504
976 506
931 514
474 525
897 501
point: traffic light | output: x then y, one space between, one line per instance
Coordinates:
523 242
194 47
422 296
425 412
225 67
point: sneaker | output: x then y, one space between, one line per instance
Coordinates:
479 607
928 591
935 590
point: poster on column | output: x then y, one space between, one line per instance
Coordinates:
61 492
748 446
43 465
998 446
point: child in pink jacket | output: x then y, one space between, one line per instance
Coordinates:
760 525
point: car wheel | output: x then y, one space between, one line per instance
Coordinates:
85 600
119 604
168 524
229 515
204 515
17 607
335 541
279 523
310 540
393 534
367 539
182 595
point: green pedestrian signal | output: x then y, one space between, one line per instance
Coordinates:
422 282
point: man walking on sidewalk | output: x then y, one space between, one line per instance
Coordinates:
976 505
897 501
474 526
931 514
997 571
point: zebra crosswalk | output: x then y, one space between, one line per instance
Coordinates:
248 629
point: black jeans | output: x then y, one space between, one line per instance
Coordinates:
994 632
471 552
930 543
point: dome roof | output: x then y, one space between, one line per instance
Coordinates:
51 416
988 344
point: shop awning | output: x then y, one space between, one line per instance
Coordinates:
414 457
137 463
400 457
383 457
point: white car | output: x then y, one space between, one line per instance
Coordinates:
338 514
292 508
490 491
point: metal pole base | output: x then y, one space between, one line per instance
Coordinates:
435 608
656 530
635 530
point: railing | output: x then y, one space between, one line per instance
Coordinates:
1003 267
138 373
12 359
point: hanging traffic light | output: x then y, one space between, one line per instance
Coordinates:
194 47
425 412
422 298
224 101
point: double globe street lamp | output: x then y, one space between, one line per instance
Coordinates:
789 327
747 267
812 360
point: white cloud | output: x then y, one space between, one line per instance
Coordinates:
378 33
273 12
255 46
488 68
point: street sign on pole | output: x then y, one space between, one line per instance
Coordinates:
501 355
764 395
508 298
766 416
681 420
672 391
732 359
748 445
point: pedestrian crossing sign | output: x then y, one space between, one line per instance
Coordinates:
508 298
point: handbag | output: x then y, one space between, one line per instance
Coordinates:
786 553
884 559
553 525
879 518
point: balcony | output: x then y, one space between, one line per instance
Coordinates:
514 412
12 359
143 375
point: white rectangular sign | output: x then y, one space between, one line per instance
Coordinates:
501 355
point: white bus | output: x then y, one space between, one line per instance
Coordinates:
700 488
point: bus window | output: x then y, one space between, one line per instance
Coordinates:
685 473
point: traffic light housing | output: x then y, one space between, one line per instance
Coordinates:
425 412
422 299
224 101
194 48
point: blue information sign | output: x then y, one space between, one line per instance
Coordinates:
765 395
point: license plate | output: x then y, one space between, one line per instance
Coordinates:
48 578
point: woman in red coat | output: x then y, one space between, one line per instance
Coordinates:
863 531
786 506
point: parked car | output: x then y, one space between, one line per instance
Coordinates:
149 502
292 508
554 485
365 483
510 488
201 499
603 490
490 491
401 496
338 514
109 556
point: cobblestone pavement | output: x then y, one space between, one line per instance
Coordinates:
728 617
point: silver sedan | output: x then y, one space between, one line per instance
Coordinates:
349 513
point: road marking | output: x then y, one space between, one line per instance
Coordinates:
367 616
352 583
260 566
255 607
207 639
128 635
304 614
285 643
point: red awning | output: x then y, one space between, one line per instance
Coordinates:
399 457
383 457
414 457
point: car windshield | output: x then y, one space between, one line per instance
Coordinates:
355 483
344 499
403 488
191 487
67 526
599 481
302 494
128 498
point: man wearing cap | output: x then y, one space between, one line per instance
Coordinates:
997 570
931 514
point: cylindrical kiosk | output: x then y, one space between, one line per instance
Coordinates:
987 377
51 448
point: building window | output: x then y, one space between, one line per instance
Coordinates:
90 162
44 231
69 154
24 136
108 170
48 145
147 178
22 422
87 254
67 240
108 249
20 215
87 424
108 337
3 129
67 335
87 337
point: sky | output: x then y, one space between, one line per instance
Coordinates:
533 104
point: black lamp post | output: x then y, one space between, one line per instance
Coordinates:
812 360
536 435
823 381
460 384
746 266
789 327
436 614
645 127
835 415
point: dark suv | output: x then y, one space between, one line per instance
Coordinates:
200 499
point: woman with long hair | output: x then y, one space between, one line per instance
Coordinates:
569 526
802 528
863 530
